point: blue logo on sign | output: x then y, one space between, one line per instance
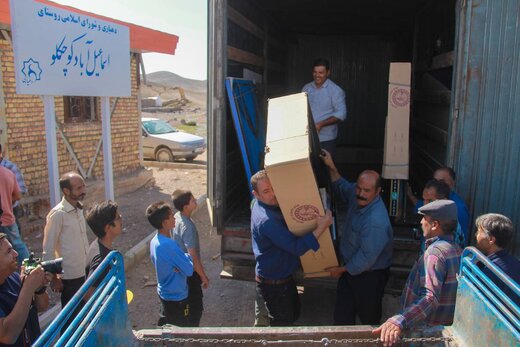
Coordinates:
31 71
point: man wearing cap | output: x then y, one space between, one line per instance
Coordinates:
428 298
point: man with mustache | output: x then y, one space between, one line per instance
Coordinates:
366 248
65 236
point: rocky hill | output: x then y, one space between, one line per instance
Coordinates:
165 84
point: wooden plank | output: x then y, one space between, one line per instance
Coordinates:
245 23
244 57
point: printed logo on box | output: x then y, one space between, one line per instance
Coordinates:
399 97
304 213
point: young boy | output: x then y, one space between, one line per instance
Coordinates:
106 223
187 237
172 267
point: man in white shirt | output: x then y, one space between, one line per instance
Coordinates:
65 236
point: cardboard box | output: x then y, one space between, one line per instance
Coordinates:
288 164
396 153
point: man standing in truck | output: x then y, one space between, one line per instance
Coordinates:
366 245
327 103
276 252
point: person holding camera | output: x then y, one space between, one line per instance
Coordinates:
21 297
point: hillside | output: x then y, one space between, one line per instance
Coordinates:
171 79
164 84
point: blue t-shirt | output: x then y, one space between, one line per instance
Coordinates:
9 292
172 267
276 249
185 233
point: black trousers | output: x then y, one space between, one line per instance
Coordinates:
361 296
195 299
71 287
174 312
282 302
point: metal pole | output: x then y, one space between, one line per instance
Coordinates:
52 149
107 148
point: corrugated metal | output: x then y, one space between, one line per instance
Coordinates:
485 139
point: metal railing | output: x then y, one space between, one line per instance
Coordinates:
485 314
103 319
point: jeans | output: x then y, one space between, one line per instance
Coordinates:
282 302
13 234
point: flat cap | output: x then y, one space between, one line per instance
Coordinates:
440 210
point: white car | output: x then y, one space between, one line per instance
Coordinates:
163 142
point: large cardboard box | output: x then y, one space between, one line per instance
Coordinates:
288 164
396 157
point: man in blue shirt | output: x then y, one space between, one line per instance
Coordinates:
366 248
447 175
494 235
276 252
327 103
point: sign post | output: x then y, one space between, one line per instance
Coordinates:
107 148
52 149
60 52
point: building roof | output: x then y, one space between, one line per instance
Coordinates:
142 39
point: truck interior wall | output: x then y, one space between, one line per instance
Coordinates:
434 37
360 54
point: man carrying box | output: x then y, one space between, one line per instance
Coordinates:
276 252
366 248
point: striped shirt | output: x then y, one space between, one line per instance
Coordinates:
429 294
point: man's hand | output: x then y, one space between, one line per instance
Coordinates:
318 127
34 279
389 333
336 271
323 223
327 159
205 281
56 284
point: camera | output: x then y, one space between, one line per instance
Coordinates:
52 266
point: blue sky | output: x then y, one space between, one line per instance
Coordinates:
185 18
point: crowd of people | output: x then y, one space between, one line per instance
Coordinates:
366 246
174 251
366 240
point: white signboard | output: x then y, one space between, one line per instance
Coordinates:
59 52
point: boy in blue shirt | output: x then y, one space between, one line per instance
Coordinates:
172 267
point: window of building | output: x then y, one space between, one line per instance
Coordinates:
80 109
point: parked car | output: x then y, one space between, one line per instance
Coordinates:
163 142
